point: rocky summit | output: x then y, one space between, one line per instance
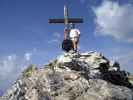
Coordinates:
73 76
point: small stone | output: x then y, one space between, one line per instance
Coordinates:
71 76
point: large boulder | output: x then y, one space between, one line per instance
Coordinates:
73 76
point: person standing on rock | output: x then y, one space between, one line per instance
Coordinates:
71 38
71 34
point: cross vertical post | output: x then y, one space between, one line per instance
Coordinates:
66 20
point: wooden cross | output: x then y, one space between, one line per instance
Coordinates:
67 21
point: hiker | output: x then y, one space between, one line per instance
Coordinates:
72 39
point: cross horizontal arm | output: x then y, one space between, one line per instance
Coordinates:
70 20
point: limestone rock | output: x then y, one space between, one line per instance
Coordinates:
73 76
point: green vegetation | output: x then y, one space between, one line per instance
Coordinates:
51 64
27 72
130 79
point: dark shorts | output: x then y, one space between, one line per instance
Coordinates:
67 45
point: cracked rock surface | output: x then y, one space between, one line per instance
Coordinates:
73 76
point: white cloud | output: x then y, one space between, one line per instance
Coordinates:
9 70
125 59
11 67
55 39
27 56
11 57
7 65
115 20
57 35
122 55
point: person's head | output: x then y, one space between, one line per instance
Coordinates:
74 34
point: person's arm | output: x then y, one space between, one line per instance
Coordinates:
66 31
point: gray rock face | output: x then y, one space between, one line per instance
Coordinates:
73 76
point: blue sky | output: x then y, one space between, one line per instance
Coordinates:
27 37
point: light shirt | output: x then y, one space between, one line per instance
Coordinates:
74 33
